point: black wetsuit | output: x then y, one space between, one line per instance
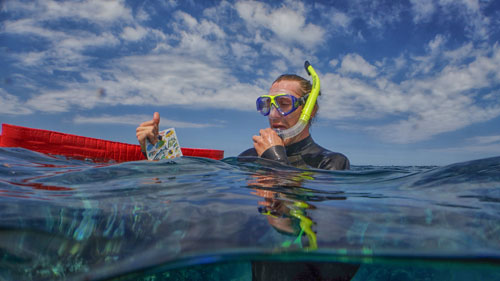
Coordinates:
304 154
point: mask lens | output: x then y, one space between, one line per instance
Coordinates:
264 105
285 103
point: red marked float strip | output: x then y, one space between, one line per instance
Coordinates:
80 147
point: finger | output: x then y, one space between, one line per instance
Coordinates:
272 135
156 118
147 123
147 131
156 127
154 130
152 138
141 137
271 131
145 128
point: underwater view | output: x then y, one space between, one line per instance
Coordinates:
245 219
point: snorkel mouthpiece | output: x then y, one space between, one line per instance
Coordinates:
305 116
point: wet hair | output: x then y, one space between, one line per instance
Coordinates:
305 88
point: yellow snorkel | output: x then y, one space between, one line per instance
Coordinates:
305 116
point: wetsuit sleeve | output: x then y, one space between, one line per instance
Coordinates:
276 153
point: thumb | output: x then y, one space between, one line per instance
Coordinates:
156 118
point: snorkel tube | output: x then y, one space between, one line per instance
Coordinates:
305 116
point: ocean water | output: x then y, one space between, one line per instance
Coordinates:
245 219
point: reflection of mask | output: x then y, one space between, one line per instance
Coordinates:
291 221
281 222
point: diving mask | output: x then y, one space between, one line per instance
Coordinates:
284 102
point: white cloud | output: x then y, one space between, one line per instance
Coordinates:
170 3
136 119
423 10
485 139
10 104
476 151
439 102
243 50
64 46
280 66
202 38
92 10
460 54
208 28
190 74
95 11
338 22
437 43
468 12
161 80
379 15
85 40
142 15
472 5
424 64
186 19
294 55
203 28
30 27
133 33
340 19
354 63
438 119
31 58
288 24
62 101
333 62
400 62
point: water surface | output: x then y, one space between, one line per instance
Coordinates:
200 219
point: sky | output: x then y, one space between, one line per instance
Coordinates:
412 82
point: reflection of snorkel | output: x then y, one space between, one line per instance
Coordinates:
305 224
308 107
297 212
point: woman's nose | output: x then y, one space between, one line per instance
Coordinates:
274 113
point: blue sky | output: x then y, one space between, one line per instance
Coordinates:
403 82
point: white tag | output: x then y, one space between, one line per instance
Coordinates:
167 146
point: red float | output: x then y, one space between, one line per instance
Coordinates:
81 147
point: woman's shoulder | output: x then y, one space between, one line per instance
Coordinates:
334 161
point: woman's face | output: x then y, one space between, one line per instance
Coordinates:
280 122
276 120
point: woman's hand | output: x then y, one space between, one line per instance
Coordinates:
149 130
267 139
